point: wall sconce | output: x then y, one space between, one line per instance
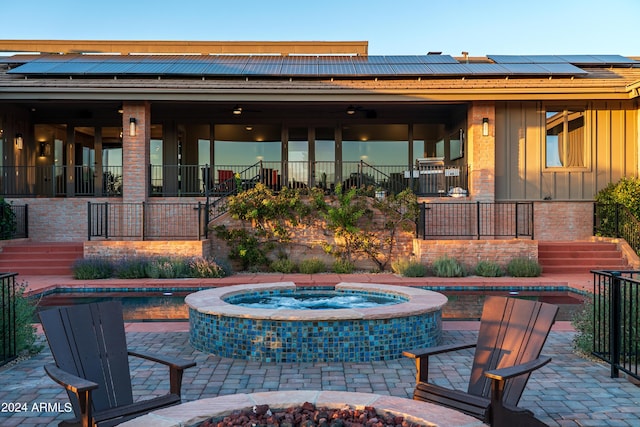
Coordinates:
237 110
351 110
132 126
485 127
19 141
45 149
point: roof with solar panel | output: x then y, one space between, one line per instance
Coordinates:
320 66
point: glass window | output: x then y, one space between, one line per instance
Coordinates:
376 144
565 141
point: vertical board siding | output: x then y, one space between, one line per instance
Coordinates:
611 135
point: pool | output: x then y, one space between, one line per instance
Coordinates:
167 305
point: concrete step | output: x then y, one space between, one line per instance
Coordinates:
579 257
40 258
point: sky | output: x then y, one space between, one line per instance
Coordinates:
479 27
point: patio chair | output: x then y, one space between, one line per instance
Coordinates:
89 347
511 336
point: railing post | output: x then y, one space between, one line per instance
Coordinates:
478 223
89 221
142 214
614 323
199 221
516 219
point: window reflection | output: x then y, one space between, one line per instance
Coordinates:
565 142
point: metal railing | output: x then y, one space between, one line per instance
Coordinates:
8 318
475 220
15 223
194 180
52 181
615 220
146 221
616 320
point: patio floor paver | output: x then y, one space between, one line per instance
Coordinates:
570 391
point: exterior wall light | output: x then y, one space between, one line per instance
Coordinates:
351 110
485 127
237 110
19 141
132 126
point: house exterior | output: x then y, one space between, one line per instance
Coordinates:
182 123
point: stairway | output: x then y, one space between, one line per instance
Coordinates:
40 258
579 257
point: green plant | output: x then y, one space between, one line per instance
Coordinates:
489 269
343 266
168 268
283 265
447 267
312 266
131 268
205 268
582 321
25 310
409 268
244 247
523 267
8 223
92 268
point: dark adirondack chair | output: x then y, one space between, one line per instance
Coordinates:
89 346
511 336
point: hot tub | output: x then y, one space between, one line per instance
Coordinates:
331 335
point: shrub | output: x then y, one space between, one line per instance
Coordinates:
582 321
343 266
168 268
131 268
8 223
24 311
205 268
409 268
312 266
283 265
523 267
92 268
447 267
489 269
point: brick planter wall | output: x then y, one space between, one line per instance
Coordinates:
470 252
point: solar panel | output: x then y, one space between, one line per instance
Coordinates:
373 69
111 68
149 68
485 69
265 68
187 68
403 59
524 69
299 69
449 69
437 59
565 68
312 65
337 69
412 69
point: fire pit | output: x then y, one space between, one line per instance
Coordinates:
193 413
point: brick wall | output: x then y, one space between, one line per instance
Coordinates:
482 152
554 220
121 249
470 252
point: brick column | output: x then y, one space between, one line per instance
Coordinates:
482 152
135 152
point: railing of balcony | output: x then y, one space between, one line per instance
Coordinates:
53 181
